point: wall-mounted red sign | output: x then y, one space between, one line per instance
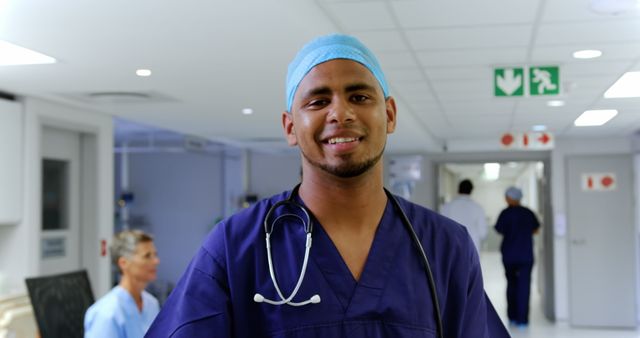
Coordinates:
527 141
599 182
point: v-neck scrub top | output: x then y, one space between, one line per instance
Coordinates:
214 297
116 315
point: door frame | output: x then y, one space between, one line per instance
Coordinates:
64 145
548 260
93 239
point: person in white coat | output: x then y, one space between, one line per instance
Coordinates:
467 212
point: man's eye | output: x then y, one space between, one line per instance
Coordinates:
359 98
317 103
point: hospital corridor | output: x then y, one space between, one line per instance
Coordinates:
320 168
539 327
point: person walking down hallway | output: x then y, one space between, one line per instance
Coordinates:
467 212
517 224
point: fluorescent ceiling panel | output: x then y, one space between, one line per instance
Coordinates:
12 55
592 118
628 85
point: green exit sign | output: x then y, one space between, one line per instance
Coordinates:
513 81
544 80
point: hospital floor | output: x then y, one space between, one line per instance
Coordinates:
539 326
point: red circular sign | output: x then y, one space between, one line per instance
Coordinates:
506 139
607 181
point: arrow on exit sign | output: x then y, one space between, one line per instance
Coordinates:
508 81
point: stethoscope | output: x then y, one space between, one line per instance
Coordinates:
308 228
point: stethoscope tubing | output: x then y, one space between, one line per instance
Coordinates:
427 266
308 226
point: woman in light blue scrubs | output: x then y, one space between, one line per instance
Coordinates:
127 310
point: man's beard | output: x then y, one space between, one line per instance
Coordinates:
346 170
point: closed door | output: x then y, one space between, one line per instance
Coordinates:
602 245
60 235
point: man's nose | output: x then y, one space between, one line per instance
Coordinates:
341 111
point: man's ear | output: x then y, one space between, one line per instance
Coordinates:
289 131
390 104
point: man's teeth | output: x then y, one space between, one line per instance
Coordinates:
342 140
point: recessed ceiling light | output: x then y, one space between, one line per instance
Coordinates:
587 54
13 55
247 111
595 117
555 103
539 127
143 72
628 85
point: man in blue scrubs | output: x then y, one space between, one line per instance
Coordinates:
517 224
364 277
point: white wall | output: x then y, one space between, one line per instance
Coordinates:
424 191
20 244
233 180
12 261
11 135
564 148
270 174
447 186
180 198
636 191
527 182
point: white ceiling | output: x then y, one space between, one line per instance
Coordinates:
211 59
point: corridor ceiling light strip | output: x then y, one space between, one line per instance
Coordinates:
628 85
13 55
592 118
491 171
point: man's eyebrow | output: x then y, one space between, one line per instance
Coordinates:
325 90
359 86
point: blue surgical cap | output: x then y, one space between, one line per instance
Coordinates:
514 193
330 47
